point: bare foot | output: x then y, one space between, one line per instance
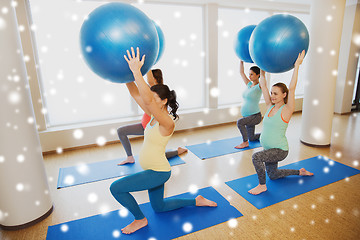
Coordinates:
181 150
203 202
303 172
242 145
134 226
129 159
258 189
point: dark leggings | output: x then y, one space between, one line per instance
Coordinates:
246 126
136 129
269 159
150 180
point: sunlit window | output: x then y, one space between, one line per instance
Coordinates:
230 21
72 93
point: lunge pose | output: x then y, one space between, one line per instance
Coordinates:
250 109
155 102
280 107
154 77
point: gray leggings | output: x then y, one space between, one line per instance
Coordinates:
246 126
269 159
136 129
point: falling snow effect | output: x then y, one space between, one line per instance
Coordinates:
83 169
20 187
101 141
64 228
20 158
69 180
187 227
116 234
318 133
59 150
193 189
233 223
123 212
14 97
78 134
109 99
92 198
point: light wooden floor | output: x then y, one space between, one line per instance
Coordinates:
330 212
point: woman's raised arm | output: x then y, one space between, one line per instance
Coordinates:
146 94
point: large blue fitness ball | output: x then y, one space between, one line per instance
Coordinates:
241 43
161 41
109 31
276 42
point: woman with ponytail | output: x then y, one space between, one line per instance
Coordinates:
156 102
154 77
280 107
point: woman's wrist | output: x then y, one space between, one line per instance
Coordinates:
136 72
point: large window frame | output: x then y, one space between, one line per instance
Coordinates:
56 138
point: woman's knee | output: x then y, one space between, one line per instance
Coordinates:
121 131
273 175
256 157
115 188
158 207
241 122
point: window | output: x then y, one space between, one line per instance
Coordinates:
230 83
183 60
72 93
230 21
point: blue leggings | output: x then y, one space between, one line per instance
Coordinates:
150 180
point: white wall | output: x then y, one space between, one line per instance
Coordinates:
348 57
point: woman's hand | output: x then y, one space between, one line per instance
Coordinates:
133 60
300 59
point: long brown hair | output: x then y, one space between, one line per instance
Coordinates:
158 76
284 89
164 92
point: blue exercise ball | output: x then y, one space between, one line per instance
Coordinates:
276 42
241 43
109 31
161 41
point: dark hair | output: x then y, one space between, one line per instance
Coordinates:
255 69
284 89
158 76
164 93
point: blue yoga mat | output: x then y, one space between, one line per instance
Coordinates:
326 171
98 171
165 225
220 147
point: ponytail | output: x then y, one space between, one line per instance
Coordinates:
164 93
173 104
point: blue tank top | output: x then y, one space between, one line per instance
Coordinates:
274 129
251 98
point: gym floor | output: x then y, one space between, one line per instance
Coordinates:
330 212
